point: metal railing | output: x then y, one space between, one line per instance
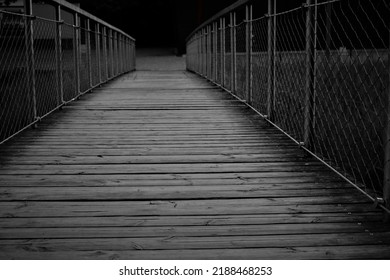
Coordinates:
48 61
318 72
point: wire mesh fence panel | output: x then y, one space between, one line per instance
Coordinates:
241 61
94 59
16 98
103 56
260 71
228 59
68 62
191 51
46 83
290 70
204 55
115 54
84 61
320 72
46 63
209 53
218 59
352 87
108 59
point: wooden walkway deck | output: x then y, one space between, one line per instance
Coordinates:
160 164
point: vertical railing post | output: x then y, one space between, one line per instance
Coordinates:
222 38
76 46
104 49
249 17
120 54
386 170
310 71
135 62
200 51
208 46
30 55
60 82
204 52
234 70
98 55
116 64
198 56
216 70
111 55
89 51
213 51
116 53
271 58
211 61
231 53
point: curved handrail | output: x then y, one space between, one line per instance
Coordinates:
84 13
225 11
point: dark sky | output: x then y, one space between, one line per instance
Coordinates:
155 22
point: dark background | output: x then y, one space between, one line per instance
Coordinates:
167 23
155 23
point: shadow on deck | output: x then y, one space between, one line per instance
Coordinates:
160 164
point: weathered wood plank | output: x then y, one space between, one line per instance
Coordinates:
210 242
152 221
162 164
360 252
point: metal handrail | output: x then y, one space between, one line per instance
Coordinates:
84 13
227 10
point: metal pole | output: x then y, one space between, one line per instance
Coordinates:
111 46
117 48
60 82
271 58
215 49
105 55
222 38
77 51
231 53
198 57
310 72
208 45
386 182
116 64
249 17
99 66
201 52
121 53
30 55
204 56
89 52
234 51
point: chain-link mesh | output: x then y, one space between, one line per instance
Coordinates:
44 63
240 79
290 58
352 87
218 68
320 72
228 58
94 55
260 65
16 100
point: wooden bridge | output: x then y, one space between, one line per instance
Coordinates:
160 164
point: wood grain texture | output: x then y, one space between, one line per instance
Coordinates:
162 165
